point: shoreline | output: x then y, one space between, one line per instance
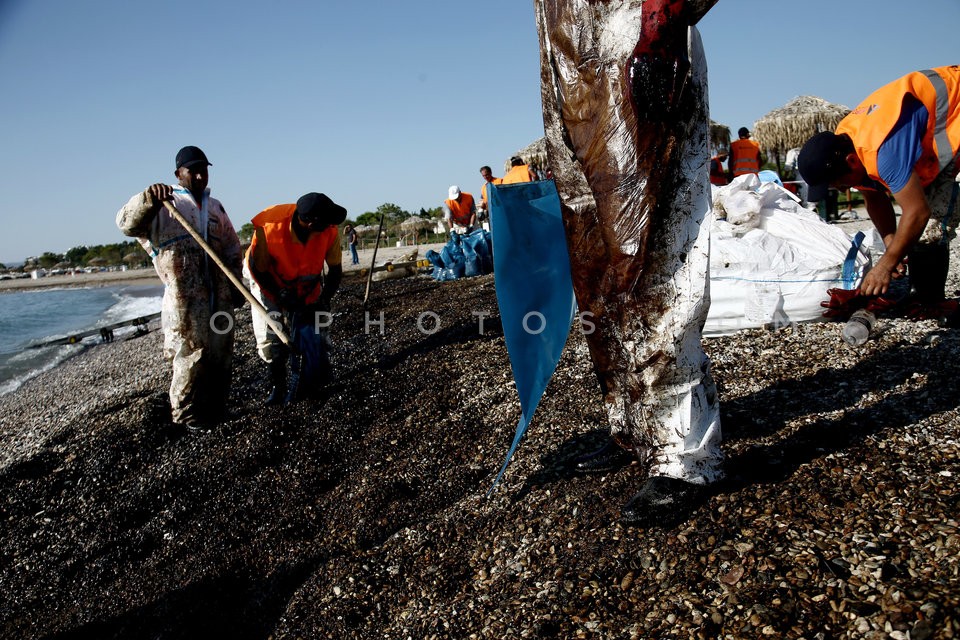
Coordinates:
147 275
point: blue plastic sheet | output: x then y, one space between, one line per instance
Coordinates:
465 255
534 288
769 176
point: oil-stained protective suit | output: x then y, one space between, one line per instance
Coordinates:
197 312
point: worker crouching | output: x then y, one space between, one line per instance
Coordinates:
284 267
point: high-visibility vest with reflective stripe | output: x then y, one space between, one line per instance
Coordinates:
744 157
461 210
296 265
872 121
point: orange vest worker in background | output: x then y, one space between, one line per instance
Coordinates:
460 210
744 154
519 172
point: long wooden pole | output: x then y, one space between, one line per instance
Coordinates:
373 261
254 303
390 266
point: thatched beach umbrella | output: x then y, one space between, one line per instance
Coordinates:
791 125
415 222
719 136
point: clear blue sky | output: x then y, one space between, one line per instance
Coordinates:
369 102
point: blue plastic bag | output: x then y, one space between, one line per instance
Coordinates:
534 288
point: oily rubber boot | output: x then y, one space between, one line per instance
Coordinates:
278 381
607 458
295 392
928 266
663 502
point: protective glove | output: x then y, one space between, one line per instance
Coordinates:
322 304
931 310
881 304
843 302
289 301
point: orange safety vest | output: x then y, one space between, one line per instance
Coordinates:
483 189
461 211
872 121
744 157
717 174
294 264
520 173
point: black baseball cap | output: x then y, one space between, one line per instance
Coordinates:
821 161
317 207
189 156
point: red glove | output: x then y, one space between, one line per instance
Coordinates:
880 304
843 302
931 310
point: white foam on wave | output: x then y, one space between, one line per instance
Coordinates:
129 307
33 362
22 365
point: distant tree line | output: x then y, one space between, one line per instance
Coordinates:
393 216
129 253
132 254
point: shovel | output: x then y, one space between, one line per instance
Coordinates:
271 322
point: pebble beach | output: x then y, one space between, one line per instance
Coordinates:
363 513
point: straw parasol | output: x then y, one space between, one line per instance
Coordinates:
413 225
415 222
719 136
791 125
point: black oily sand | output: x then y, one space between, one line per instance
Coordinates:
362 513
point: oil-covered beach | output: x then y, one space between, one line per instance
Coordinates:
362 514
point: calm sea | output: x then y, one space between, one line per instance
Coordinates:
32 317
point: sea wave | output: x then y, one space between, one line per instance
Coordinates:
131 304
32 356
30 363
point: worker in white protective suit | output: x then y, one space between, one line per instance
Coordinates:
198 302
624 88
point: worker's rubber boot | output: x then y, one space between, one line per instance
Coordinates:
295 390
278 380
928 266
663 502
608 457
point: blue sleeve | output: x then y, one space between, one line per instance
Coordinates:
900 151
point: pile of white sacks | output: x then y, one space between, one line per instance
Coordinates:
772 260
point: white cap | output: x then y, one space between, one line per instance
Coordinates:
454 192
